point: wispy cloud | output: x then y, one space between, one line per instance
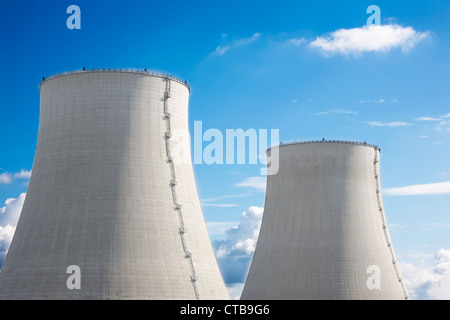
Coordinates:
258 183
441 122
212 202
221 50
297 41
232 44
424 118
338 111
389 124
381 100
377 38
219 205
419 189
437 225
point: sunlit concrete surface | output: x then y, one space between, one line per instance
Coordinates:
107 195
324 233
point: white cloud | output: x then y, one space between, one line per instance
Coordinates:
224 48
419 189
9 215
7 178
258 183
221 50
218 229
424 118
6 235
297 41
389 124
376 38
23 174
437 225
441 124
429 283
212 202
338 111
235 252
382 101
442 129
219 205
235 290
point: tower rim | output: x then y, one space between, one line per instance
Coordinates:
294 143
115 70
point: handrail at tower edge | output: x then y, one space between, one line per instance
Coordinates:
365 144
118 70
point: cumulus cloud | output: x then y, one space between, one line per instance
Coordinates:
419 189
6 235
23 174
375 38
7 178
235 252
9 215
429 283
258 183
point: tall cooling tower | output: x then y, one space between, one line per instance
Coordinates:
324 233
107 195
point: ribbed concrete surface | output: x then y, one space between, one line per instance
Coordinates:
100 197
323 226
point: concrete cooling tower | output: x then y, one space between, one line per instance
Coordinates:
108 197
324 234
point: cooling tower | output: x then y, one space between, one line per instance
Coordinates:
324 234
108 196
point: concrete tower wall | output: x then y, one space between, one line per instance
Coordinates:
323 227
106 196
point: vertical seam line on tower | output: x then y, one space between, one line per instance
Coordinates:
385 229
173 183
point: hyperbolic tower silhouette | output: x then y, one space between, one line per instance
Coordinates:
324 233
107 195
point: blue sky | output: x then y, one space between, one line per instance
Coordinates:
308 69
